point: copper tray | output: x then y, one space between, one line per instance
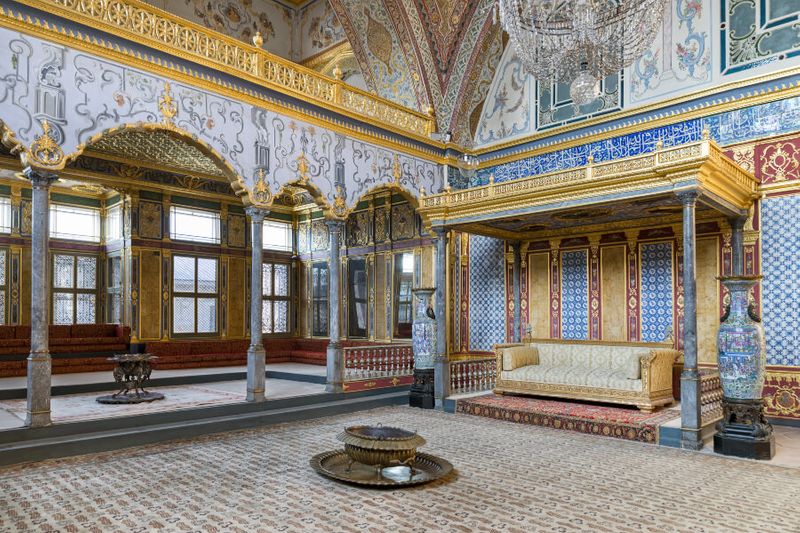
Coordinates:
334 464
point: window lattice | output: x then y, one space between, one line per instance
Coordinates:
195 299
276 297
74 289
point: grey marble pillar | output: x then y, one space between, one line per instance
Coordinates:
39 364
691 421
256 356
517 288
441 366
335 353
737 245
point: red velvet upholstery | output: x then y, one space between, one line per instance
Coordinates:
93 340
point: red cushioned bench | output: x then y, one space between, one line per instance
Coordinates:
78 348
210 353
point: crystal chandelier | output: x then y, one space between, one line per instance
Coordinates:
579 42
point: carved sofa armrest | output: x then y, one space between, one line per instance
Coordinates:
657 369
516 355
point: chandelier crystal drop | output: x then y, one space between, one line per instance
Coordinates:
571 41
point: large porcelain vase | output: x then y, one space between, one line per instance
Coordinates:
423 331
741 349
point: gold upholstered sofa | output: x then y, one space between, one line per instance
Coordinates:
632 373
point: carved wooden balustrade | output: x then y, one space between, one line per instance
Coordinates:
373 362
472 375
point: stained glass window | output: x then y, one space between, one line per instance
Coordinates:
3 284
74 289
275 318
319 296
357 311
74 223
195 299
114 290
194 225
5 215
277 235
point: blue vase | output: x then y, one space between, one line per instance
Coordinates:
423 331
741 349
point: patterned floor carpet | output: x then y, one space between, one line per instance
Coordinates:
622 422
510 478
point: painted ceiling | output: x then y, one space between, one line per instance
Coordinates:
421 53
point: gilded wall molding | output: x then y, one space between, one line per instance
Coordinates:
150 26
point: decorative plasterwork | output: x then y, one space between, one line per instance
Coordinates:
155 147
126 114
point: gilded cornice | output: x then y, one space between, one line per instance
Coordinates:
154 65
700 165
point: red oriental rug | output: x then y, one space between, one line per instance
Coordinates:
618 422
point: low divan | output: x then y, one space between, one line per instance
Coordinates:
631 373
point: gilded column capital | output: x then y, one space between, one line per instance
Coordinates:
594 244
256 214
688 198
334 225
40 179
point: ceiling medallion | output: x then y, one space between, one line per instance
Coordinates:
579 42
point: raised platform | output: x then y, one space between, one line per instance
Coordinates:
607 421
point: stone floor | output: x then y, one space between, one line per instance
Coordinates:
82 378
509 478
83 406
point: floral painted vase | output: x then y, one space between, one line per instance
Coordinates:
423 330
741 348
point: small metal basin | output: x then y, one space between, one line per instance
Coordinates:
381 446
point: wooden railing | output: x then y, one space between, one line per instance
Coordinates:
381 361
472 375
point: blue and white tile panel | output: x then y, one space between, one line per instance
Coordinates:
487 315
656 296
780 266
575 295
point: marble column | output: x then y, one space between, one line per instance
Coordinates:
441 365
39 363
737 245
335 353
691 421
256 356
516 269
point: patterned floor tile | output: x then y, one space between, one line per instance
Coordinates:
509 478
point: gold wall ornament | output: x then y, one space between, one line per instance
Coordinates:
258 40
302 169
339 207
167 105
261 193
45 152
397 171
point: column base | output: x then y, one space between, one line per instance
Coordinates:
421 394
39 384
743 431
335 368
256 374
